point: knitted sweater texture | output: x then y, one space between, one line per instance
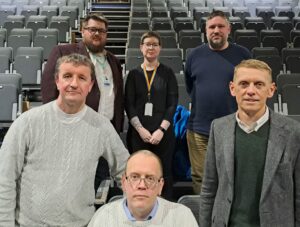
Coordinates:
48 163
169 214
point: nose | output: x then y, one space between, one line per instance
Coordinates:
251 89
74 82
142 183
216 29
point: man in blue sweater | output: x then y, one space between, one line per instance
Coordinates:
208 71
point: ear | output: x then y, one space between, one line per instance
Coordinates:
271 91
123 183
160 186
91 85
232 88
229 28
82 31
56 79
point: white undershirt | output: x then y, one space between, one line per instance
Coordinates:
105 83
256 125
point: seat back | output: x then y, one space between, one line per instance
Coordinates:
61 23
264 51
293 64
115 198
10 96
290 99
174 62
6 10
28 62
192 202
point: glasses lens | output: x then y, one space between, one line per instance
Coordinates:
135 180
150 181
95 30
151 45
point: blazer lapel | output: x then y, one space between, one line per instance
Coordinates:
82 49
228 136
276 144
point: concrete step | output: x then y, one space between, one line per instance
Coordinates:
118 23
117 34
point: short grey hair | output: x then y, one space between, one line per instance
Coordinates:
76 60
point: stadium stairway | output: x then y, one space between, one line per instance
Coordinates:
117 13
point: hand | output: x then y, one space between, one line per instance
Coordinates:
144 134
156 137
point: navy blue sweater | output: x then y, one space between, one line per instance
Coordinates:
207 75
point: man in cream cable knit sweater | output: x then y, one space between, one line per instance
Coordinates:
142 183
49 156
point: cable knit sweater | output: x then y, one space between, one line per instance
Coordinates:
168 215
48 163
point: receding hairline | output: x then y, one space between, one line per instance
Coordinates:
149 154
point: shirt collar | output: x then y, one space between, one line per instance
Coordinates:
130 216
256 125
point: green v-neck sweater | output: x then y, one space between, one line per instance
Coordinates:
249 158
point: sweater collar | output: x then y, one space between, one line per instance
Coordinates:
68 118
256 125
132 218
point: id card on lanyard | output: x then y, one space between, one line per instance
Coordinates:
149 105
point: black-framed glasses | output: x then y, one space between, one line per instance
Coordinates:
94 30
149 181
151 45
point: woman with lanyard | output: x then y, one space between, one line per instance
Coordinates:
151 96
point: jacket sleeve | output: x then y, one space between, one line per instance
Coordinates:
48 86
209 184
130 95
297 183
12 155
187 75
172 97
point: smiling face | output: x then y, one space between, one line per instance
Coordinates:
73 82
141 198
95 41
252 87
217 32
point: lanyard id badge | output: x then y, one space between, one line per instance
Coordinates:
149 105
106 82
148 109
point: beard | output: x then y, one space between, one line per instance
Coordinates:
217 45
95 48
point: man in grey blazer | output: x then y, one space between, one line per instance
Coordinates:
252 169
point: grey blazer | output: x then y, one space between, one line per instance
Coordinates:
280 196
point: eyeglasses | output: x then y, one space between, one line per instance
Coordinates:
149 181
93 30
151 45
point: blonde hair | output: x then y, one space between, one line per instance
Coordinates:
253 64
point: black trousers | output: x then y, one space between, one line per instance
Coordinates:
164 150
102 172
